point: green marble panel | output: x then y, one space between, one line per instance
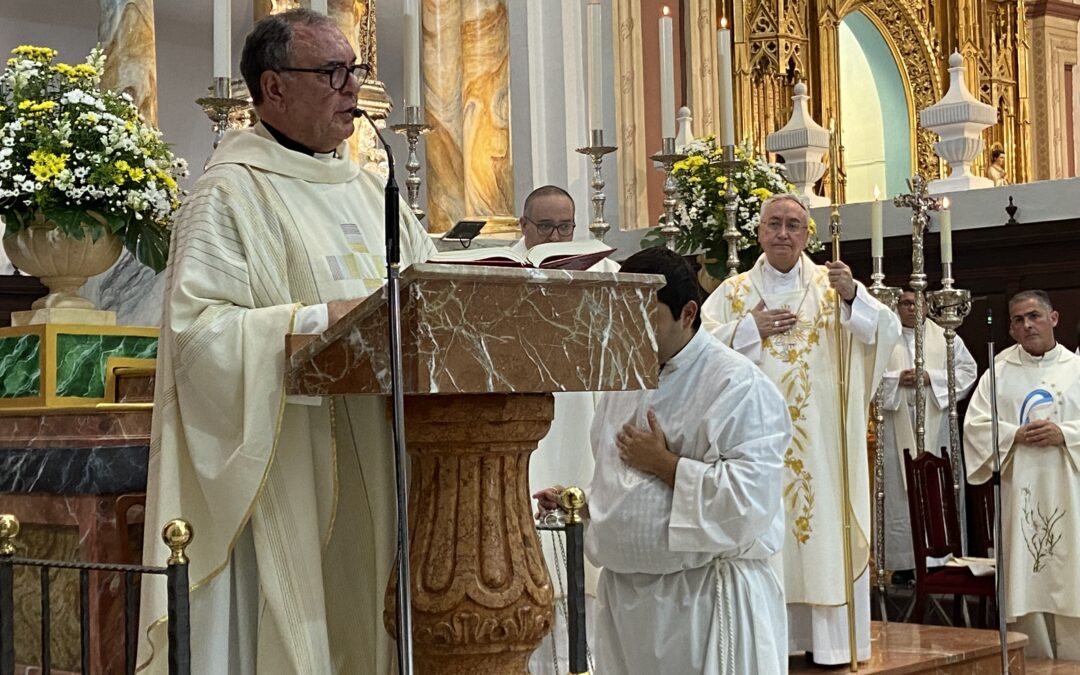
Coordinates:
20 366
81 368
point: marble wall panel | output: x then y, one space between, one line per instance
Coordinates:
76 429
20 361
493 330
81 370
126 31
485 105
442 43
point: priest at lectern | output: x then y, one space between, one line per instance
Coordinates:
291 500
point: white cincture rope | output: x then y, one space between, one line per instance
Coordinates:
723 613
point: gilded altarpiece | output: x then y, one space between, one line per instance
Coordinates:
779 42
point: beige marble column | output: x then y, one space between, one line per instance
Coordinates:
485 108
442 111
126 32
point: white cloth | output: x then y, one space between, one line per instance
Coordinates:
899 431
803 364
1050 636
686 585
1040 486
264 231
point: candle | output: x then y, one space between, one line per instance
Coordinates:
727 92
877 246
223 38
318 6
594 66
412 53
667 77
946 233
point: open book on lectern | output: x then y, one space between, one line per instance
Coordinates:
558 255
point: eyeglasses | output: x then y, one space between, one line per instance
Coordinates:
792 228
907 303
339 75
546 227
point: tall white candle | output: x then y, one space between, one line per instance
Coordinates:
594 67
946 233
222 38
318 6
667 77
727 91
412 53
877 244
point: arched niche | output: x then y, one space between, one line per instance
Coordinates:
876 111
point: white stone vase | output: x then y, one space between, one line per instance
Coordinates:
61 263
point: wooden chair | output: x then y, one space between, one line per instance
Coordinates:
935 532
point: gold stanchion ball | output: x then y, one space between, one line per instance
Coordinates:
177 535
9 529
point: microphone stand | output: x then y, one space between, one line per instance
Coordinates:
393 305
999 545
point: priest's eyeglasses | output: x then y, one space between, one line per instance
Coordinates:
792 228
339 75
546 227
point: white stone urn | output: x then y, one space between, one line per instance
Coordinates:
61 263
803 142
958 119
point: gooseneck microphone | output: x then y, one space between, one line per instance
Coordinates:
397 390
391 210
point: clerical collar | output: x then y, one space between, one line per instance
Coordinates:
289 143
1048 356
793 275
688 353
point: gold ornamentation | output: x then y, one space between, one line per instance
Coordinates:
177 535
9 529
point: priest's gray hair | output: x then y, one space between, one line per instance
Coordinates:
1039 296
268 45
786 197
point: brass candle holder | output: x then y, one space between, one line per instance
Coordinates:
667 157
596 150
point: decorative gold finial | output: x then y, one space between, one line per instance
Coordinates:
9 529
572 500
177 535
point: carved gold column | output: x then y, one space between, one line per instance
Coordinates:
704 77
126 32
485 111
630 116
1053 29
482 599
827 95
442 109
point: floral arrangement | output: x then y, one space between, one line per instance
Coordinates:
702 186
76 155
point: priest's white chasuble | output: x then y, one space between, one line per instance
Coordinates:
1040 487
686 585
292 505
802 362
899 416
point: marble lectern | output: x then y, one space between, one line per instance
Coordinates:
483 348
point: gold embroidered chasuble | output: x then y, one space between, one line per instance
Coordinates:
265 231
1040 486
802 364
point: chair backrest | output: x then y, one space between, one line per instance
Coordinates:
935 526
981 510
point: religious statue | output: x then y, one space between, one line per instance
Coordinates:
996 171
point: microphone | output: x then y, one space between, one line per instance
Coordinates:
392 192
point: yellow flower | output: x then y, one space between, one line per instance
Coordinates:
39 54
136 174
24 105
811 227
722 180
46 165
166 180
761 193
122 165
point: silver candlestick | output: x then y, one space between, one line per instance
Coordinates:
921 204
731 206
225 110
948 307
890 297
596 151
667 157
413 129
